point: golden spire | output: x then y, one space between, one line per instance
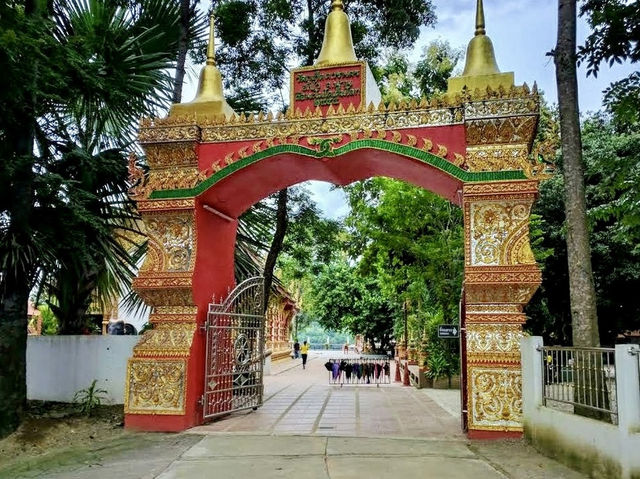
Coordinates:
337 46
481 68
209 101
211 47
481 58
480 30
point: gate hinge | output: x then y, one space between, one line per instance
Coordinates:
201 401
205 326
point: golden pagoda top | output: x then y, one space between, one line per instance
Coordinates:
209 101
481 68
337 46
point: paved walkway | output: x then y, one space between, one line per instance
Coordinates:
301 401
309 429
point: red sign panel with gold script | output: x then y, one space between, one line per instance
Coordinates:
322 87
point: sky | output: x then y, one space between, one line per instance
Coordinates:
522 31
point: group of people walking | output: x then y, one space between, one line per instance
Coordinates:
301 350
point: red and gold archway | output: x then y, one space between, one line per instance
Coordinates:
208 165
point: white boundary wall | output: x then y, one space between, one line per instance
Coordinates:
59 366
599 449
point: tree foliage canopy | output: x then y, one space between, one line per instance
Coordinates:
613 210
615 38
262 39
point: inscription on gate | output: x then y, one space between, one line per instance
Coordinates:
331 86
235 351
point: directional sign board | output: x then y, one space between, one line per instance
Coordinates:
448 331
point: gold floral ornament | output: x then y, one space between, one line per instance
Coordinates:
174 237
174 179
500 233
325 144
136 178
495 398
155 386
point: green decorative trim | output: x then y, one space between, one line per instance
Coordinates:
404 150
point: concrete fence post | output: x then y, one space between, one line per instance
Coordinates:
532 375
628 399
628 387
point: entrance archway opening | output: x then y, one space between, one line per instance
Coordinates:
341 402
471 146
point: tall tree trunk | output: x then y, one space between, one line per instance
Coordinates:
282 221
16 277
13 354
584 319
16 285
582 291
183 47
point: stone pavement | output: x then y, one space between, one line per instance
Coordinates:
309 429
301 401
240 456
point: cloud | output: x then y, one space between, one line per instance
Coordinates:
331 200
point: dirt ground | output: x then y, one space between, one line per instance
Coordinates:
49 427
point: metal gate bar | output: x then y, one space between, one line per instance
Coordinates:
235 351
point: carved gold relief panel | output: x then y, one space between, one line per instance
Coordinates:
516 318
499 233
166 339
500 158
172 239
510 130
494 309
494 343
500 293
163 295
165 155
155 386
495 398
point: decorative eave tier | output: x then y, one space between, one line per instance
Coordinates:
439 111
499 127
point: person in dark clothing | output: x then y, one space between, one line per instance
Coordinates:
296 349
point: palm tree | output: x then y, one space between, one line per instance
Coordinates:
80 75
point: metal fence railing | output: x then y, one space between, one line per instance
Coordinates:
580 378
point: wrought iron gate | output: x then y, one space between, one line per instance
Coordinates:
235 351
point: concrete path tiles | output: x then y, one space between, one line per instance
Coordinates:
274 457
308 429
301 401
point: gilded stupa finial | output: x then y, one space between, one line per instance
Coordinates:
211 46
480 25
209 101
481 68
337 46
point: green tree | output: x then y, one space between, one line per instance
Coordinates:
614 38
341 299
611 159
581 285
77 76
399 80
410 239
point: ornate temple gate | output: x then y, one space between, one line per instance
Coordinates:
235 338
472 146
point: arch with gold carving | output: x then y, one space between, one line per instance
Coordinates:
208 165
